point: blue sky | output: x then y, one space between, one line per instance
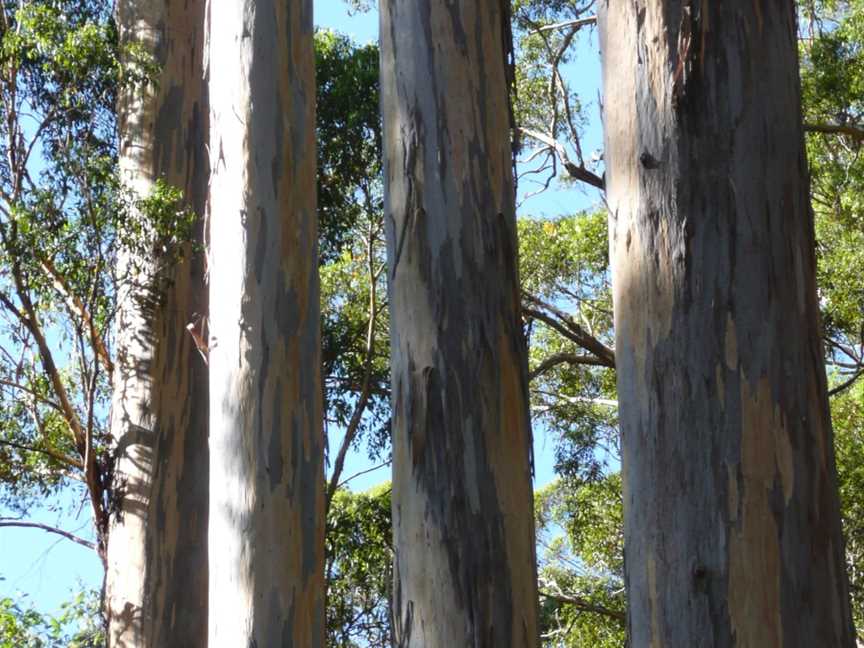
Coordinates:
43 569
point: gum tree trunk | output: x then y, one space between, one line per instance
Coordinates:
156 580
465 572
266 436
732 525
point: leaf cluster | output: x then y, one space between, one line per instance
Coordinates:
581 562
76 626
359 557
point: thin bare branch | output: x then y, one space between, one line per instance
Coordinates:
75 305
9 522
568 327
846 384
363 472
568 358
584 605
575 171
365 392
605 402
579 22
69 461
31 393
855 132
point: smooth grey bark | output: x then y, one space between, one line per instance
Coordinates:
156 580
732 522
266 435
465 572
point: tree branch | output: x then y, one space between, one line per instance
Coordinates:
364 472
586 606
606 402
77 306
9 522
79 434
30 392
567 326
579 22
574 170
845 385
581 173
560 358
855 132
365 392
69 461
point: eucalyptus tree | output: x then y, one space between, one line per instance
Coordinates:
156 579
732 526
266 532
463 529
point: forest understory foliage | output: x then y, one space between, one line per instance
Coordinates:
65 215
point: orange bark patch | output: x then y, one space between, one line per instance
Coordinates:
754 551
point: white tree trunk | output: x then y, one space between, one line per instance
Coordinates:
156 581
465 572
266 436
732 522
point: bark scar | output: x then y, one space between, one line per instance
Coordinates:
412 216
693 25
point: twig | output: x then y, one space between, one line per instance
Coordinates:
363 472
8 522
579 22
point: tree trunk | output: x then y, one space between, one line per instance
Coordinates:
156 581
465 572
266 435
732 521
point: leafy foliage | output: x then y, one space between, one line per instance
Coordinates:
350 190
565 261
832 74
76 626
349 137
848 417
59 74
581 562
359 559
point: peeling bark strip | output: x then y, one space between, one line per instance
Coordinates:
465 571
156 582
266 435
731 512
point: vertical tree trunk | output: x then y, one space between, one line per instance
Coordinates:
465 572
266 436
732 524
156 582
